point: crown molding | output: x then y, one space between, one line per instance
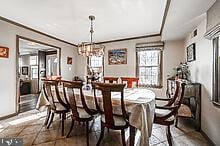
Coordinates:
131 38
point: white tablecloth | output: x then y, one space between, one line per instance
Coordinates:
140 103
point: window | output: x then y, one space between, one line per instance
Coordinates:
149 69
52 62
216 71
96 63
34 72
33 60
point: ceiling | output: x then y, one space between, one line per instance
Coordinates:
28 47
115 19
183 16
68 20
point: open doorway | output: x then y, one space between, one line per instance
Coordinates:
36 61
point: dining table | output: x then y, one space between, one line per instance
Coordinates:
139 103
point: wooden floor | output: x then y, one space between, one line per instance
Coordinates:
28 102
29 126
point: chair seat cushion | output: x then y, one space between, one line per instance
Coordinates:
60 107
118 120
184 111
163 112
82 113
161 102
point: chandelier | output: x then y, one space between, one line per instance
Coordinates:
90 48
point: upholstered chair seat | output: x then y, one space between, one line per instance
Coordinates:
184 111
118 120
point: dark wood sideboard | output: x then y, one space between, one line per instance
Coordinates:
191 100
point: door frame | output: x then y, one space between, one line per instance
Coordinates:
18 37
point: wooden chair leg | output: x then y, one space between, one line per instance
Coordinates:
87 132
47 117
50 121
62 123
169 136
176 122
123 137
101 134
132 135
71 128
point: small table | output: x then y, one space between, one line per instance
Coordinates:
140 103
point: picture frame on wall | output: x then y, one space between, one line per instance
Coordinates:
4 52
191 52
69 60
117 56
24 70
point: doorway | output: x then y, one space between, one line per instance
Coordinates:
36 61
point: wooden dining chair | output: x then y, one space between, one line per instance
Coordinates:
56 104
110 79
130 81
80 114
108 118
166 115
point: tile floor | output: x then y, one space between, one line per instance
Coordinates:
29 126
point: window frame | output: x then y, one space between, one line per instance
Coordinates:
160 66
36 60
89 62
34 67
216 73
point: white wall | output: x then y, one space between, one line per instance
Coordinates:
213 15
8 34
172 56
201 72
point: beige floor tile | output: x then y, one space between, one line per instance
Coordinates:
52 143
31 129
160 133
77 140
12 131
46 136
154 140
28 139
34 132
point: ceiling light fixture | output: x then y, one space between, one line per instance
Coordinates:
90 48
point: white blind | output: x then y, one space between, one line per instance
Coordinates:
212 33
149 46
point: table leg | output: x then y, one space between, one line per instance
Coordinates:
132 135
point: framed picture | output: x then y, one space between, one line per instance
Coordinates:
4 52
117 56
24 70
191 52
69 60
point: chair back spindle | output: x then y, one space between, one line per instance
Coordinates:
52 94
107 90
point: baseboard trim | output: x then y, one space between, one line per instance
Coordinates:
8 116
207 138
